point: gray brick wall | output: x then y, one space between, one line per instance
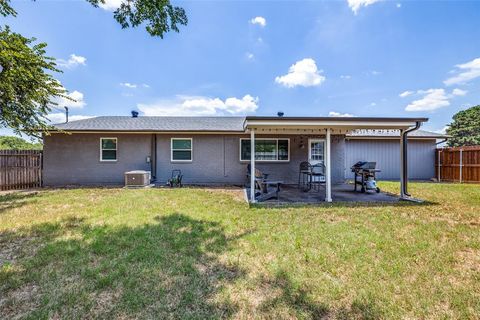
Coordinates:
75 159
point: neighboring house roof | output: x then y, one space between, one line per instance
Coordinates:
373 133
219 124
168 124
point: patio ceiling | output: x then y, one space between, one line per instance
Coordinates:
319 125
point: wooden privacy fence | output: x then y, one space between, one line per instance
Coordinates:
20 169
460 164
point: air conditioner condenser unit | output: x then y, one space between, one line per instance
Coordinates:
137 179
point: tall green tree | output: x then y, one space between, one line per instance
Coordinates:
465 128
27 87
17 143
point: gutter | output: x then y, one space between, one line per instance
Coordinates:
442 141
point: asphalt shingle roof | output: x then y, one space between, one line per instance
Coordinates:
199 124
122 123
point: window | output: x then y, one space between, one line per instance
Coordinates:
266 149
108 149
181 149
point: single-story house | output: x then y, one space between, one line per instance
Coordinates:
217 150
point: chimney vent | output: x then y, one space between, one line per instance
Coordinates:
134 114
280 114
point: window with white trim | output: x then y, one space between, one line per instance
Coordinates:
108 149
181 149
266 149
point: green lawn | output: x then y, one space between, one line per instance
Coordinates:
193 253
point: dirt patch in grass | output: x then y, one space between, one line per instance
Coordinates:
468 260
18 303
11 249
105 301
237 194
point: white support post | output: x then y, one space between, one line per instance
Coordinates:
402 166
461 164
328 176
252 166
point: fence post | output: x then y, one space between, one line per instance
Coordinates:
439 164
461 164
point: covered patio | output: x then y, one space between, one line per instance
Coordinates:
324 130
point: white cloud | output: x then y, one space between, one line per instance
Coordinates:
303 73
338 114
128 85
346 77
78 102
200 106
433 99
373 104
111 5
133 85
355 5
250 56
72 62
374 73
459 92
465 73
399 5
442 131
406 94
59 117
261 21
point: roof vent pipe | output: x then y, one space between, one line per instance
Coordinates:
280 114
66 114
134 114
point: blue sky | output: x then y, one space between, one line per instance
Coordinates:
305 58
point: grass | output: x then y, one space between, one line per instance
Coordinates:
193 253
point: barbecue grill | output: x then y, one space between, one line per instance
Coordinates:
366 171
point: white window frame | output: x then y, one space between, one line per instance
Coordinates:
240 149
116 150
324 148
171 149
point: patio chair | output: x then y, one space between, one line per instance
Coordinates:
264 189
317 176
304 170
176 179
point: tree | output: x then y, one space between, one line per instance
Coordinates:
465 128
17 143
27 87
159 15
6 9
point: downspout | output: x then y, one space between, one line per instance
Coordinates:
153 157
404 187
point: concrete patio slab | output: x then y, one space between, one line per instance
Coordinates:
290 194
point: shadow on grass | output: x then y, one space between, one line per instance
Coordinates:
170 268
296 300
16 199
292 298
